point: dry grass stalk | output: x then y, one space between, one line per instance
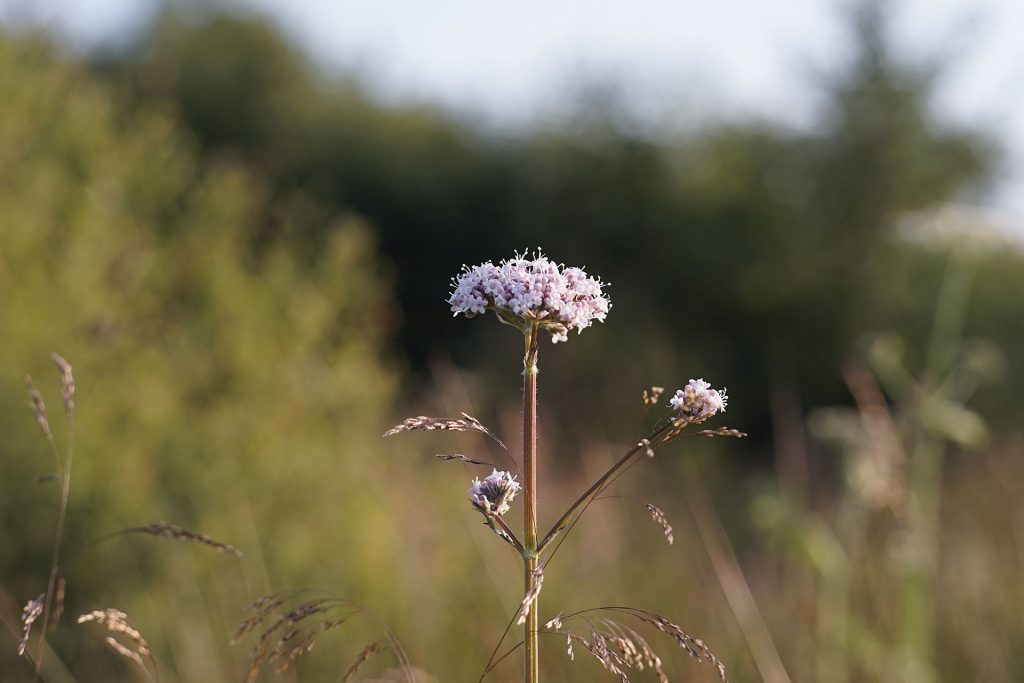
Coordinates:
675 430
263 607
361 658
462 458
124 651
554 623
116 621
659 517
299 635
599 649
467 423
651 396
693 646
58 602
634 649
617 646
721 431
165 530
67 382
531 596
33 609
292 632
136 650
288 655
647 657
38 407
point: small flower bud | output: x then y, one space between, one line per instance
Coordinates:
494 493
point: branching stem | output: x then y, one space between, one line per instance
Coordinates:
598 485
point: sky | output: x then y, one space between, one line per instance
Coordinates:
511 63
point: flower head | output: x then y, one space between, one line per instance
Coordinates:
698 401
523 291
494 493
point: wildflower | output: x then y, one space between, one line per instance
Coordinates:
523 291
494 493
698 401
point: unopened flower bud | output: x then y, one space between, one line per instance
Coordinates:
495 492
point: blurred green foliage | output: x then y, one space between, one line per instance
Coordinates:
246 260
745 250
218 380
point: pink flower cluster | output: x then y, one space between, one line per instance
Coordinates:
522 291
698 401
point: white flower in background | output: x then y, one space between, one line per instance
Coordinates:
698 401
522 291
495 492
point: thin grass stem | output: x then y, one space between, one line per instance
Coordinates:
497 646
61 515
605 479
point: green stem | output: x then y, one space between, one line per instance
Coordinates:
531 665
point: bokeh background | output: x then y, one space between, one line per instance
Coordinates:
239 223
